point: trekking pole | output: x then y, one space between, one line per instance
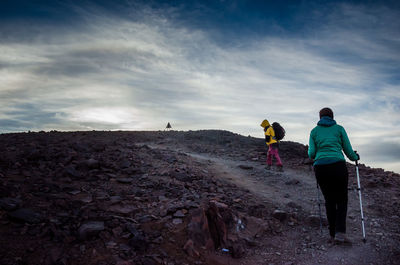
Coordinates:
319 206
359 195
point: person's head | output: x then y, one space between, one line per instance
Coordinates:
264 123
325 112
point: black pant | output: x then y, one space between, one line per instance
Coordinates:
333 179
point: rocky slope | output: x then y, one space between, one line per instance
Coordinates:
197 197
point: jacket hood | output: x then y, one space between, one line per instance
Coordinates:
326 121
265 123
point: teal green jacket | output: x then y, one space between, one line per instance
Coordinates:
327 140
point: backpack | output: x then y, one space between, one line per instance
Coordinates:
279 131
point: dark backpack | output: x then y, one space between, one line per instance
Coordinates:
279 131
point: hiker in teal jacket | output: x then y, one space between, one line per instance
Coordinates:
327 140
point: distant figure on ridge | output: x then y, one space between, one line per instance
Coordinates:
272 140
327 140
169 127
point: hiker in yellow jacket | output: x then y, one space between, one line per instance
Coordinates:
273 145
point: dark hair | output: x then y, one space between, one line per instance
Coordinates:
326 112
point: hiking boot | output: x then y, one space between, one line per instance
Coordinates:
268 167
340 238
280 168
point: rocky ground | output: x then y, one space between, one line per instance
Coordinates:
197 197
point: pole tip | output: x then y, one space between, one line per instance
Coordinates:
364 240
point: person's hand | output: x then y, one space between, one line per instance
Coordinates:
358 156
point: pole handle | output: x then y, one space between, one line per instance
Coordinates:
357 159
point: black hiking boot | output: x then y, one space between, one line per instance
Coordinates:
331 240
341 239
268 167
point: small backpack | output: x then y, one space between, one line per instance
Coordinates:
279 131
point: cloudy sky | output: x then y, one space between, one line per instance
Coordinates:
136 65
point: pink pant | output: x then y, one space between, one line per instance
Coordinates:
273 151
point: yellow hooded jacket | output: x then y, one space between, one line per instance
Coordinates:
269 132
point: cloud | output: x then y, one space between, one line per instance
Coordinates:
389 151
113 72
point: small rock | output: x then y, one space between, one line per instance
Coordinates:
280 215
26 215
292 182
101 195
111 245
90 229
115 199
145 218
117 231
293 205
238 251
246 167
190 249
72 172
158 240
314 220
74 192
138 242
9 204
92 163
82 248
124 209
162 198
179 214
125 164
177 221
124 248
83 197
251 242
125 180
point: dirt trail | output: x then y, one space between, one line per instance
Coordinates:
293 188
272 186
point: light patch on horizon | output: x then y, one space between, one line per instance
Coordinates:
112 116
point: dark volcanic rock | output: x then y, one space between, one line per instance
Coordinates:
179 214
124 164
238 251
70 171
90 229
316 220
218 222
91 163
292 182
123 209
9 204
125 180
198 230
26 215
280 215
138 240
246 167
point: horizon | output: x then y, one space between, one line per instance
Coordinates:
183 131
136 65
